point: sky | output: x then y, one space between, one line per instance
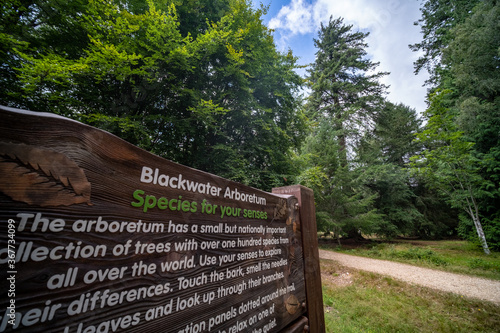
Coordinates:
390 24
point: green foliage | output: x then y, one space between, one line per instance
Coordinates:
466 230
414 254
408 208
343 205
457 256
394 134
419 254
199 82
438 17
345 87
480 263
375 303
357 154
440 220
461 40
474 61
448 164
473 53
394 199
345 97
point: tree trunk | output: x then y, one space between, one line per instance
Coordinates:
342 140
473 212
480 233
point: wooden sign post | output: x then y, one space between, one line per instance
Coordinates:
100 236
307 222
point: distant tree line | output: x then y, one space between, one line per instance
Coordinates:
356 156
202 83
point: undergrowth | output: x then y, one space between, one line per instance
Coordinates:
375 303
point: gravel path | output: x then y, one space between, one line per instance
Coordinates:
473 287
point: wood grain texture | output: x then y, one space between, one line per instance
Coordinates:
70 189
307 218
41 177
299 326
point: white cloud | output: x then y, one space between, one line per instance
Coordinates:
296 18
299 17
391 28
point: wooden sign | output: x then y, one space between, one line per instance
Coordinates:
100 236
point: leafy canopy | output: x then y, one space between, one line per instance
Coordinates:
199 82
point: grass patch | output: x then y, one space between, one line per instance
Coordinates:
451 256
375 303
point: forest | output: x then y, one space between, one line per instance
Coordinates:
202 83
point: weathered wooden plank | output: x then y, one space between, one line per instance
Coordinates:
107 237
307 218
300 326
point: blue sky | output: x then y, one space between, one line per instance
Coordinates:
391 28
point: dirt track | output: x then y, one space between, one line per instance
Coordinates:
484 289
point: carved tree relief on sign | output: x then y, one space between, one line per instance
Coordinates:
100 236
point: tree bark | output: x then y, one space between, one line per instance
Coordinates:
474 214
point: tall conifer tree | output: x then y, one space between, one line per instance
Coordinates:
343 88
346 95
199 82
